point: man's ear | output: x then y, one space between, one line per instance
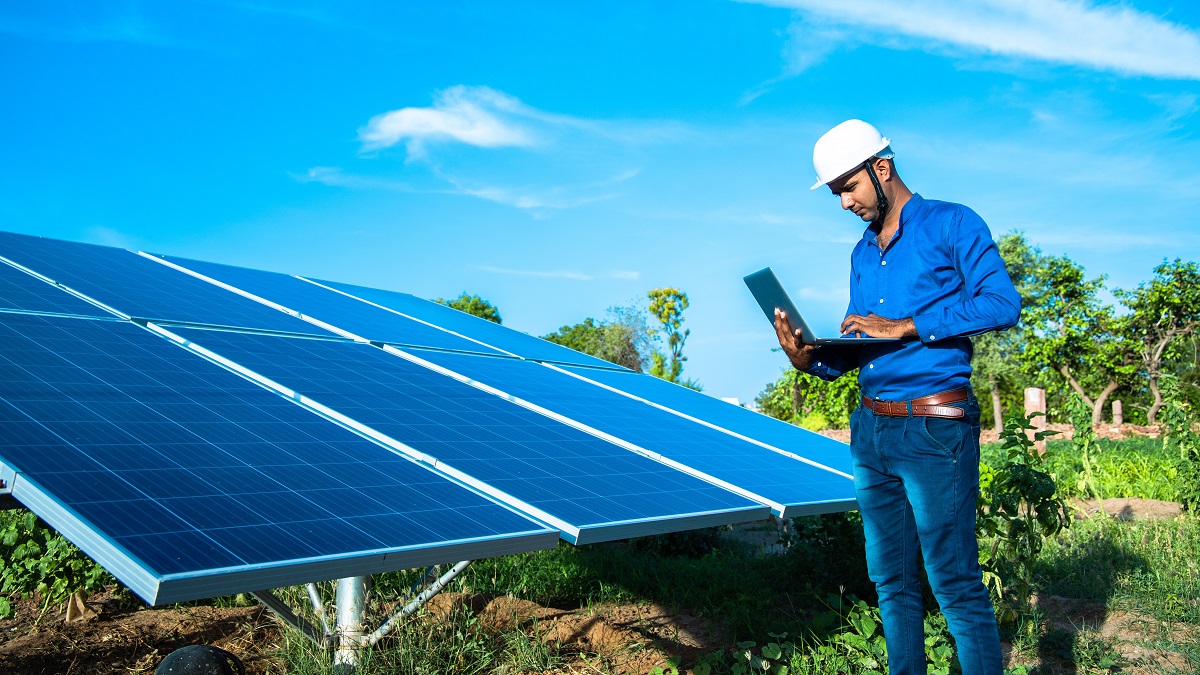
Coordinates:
883 168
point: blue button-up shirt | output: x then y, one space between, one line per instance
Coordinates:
943 270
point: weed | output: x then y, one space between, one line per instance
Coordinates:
1018 509
35 559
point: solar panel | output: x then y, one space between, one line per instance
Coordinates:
737 419
347 314
142 288
591 489
24 292
487 332
790 485
187 481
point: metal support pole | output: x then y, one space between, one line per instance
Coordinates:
351 608
281 610
416 603
318 603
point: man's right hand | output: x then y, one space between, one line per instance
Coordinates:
792 342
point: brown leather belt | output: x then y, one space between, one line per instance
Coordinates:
933 405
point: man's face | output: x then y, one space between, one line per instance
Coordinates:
857 194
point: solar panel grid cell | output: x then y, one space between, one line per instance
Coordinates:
20 290
184 476
512 341
764 472
143 288
346 313
534 459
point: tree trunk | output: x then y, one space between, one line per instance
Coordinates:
1098 408
997 409
1152 413
1066 372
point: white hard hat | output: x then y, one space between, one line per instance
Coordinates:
846 146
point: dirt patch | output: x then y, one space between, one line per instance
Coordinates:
1127 508
1127 634
121 639
628 638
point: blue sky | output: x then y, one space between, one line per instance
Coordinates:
559 159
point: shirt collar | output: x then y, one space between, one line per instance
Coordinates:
912 207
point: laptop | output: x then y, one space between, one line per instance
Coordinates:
770 294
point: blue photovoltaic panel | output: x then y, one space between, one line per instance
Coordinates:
507 339
594 490
331 307
143 288
22 291
794 485
737 419
187 481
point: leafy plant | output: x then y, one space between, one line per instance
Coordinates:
1019 508
1084 439
1178 421
36 560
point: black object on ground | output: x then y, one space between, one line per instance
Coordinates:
200 660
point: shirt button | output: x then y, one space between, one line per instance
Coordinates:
884 262
818 363
931 337
881 301
871 366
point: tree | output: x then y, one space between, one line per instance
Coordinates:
667 305
809 401
474 305
624 339
1076 335
1161 311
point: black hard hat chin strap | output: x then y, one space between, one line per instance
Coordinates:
882 198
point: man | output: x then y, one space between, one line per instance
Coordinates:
926 272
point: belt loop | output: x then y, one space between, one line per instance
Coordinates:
909 405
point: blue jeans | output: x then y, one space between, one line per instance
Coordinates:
917 481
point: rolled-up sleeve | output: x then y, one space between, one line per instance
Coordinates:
988 299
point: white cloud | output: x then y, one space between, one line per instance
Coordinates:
478 116
622 275
1115 37
336 177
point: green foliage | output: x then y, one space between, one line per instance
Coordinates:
1084 440
809 401
667 305
474 305
1019 507
34 559
1179 421
1162 310
623 338
1077 335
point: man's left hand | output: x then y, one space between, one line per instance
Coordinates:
874 325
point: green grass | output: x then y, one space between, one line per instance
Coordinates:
1135 467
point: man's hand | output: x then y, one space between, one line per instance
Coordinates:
874 325
800 352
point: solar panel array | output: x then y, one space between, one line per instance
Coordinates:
201 429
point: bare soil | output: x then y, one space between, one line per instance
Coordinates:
125 639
